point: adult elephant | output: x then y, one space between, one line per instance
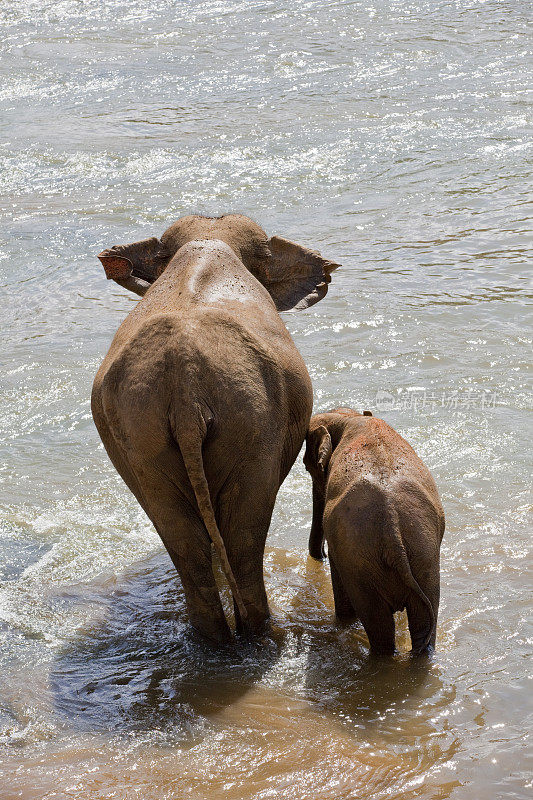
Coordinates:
203 400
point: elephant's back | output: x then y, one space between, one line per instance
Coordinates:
371 447
252 374
252 382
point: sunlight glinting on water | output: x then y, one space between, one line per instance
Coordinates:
392 136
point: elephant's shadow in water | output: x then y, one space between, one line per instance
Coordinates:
142 667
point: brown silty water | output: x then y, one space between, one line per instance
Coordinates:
394 137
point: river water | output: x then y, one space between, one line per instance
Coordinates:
392 136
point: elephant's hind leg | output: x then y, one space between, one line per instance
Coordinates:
245 511
423 633
356 596
247 566
375 614
378 621
344 610
189 546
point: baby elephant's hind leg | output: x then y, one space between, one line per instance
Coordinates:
422 629
344 610
377 618
356 597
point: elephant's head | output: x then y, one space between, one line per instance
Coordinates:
295 276
323 435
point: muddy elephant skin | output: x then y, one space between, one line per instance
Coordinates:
377 506
203 400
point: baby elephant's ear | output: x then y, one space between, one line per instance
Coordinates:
297 277
325 448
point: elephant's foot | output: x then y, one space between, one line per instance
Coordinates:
424 652
380 649
206 613
346 617
316 543
215 630
255 622
257 628
317 552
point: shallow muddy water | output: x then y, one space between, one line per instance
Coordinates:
392 136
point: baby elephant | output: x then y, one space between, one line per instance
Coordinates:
377 505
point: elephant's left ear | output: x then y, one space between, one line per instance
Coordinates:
296 277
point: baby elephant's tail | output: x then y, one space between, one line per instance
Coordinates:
396 557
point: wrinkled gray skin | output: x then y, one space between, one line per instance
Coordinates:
203 400
377 506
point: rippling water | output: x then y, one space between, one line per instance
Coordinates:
393 136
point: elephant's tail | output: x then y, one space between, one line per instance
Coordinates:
190 444
397 558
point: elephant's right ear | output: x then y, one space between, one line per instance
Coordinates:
297 277
135 266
